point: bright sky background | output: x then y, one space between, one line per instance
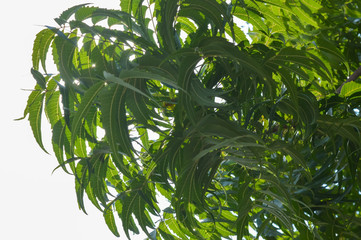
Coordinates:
35 204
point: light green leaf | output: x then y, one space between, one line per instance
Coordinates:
305 16
164 231
174 225
35 113
186 24
64 17
313 5
252 18
350 88
126 5
52 103
41 46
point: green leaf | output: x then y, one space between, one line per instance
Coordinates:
348 128
245 205
314 5
127 5
186 73
279 153
86 103
210 8
277 212
331 53
186 24
64 17
120 81
304 15
115 124
41 46
175 227
236 32
126 214
109 220
350 88
163 77
64 49
293 153
142 215
220 47
35 113
251 17
59 139
113 176
303 59
81 181
164 232
40 79
52 103
166 24
140 105
204 96
99 164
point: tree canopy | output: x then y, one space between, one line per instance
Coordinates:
208 119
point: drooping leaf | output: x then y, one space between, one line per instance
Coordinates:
86 103
109 220
115 125
82 172
41 46
35 114
129 205
59 140
40 79
64 48
52 103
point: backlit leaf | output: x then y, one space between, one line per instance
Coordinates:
350 88
35 114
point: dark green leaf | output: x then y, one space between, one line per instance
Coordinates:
86 103
109 220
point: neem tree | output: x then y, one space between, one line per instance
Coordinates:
234 134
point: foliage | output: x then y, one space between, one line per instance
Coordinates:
234 131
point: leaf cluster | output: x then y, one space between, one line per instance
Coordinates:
171 116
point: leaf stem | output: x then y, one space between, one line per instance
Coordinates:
353 77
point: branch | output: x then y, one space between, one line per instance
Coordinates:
353 77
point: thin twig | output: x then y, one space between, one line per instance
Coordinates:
353 77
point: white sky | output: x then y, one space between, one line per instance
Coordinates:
33 203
